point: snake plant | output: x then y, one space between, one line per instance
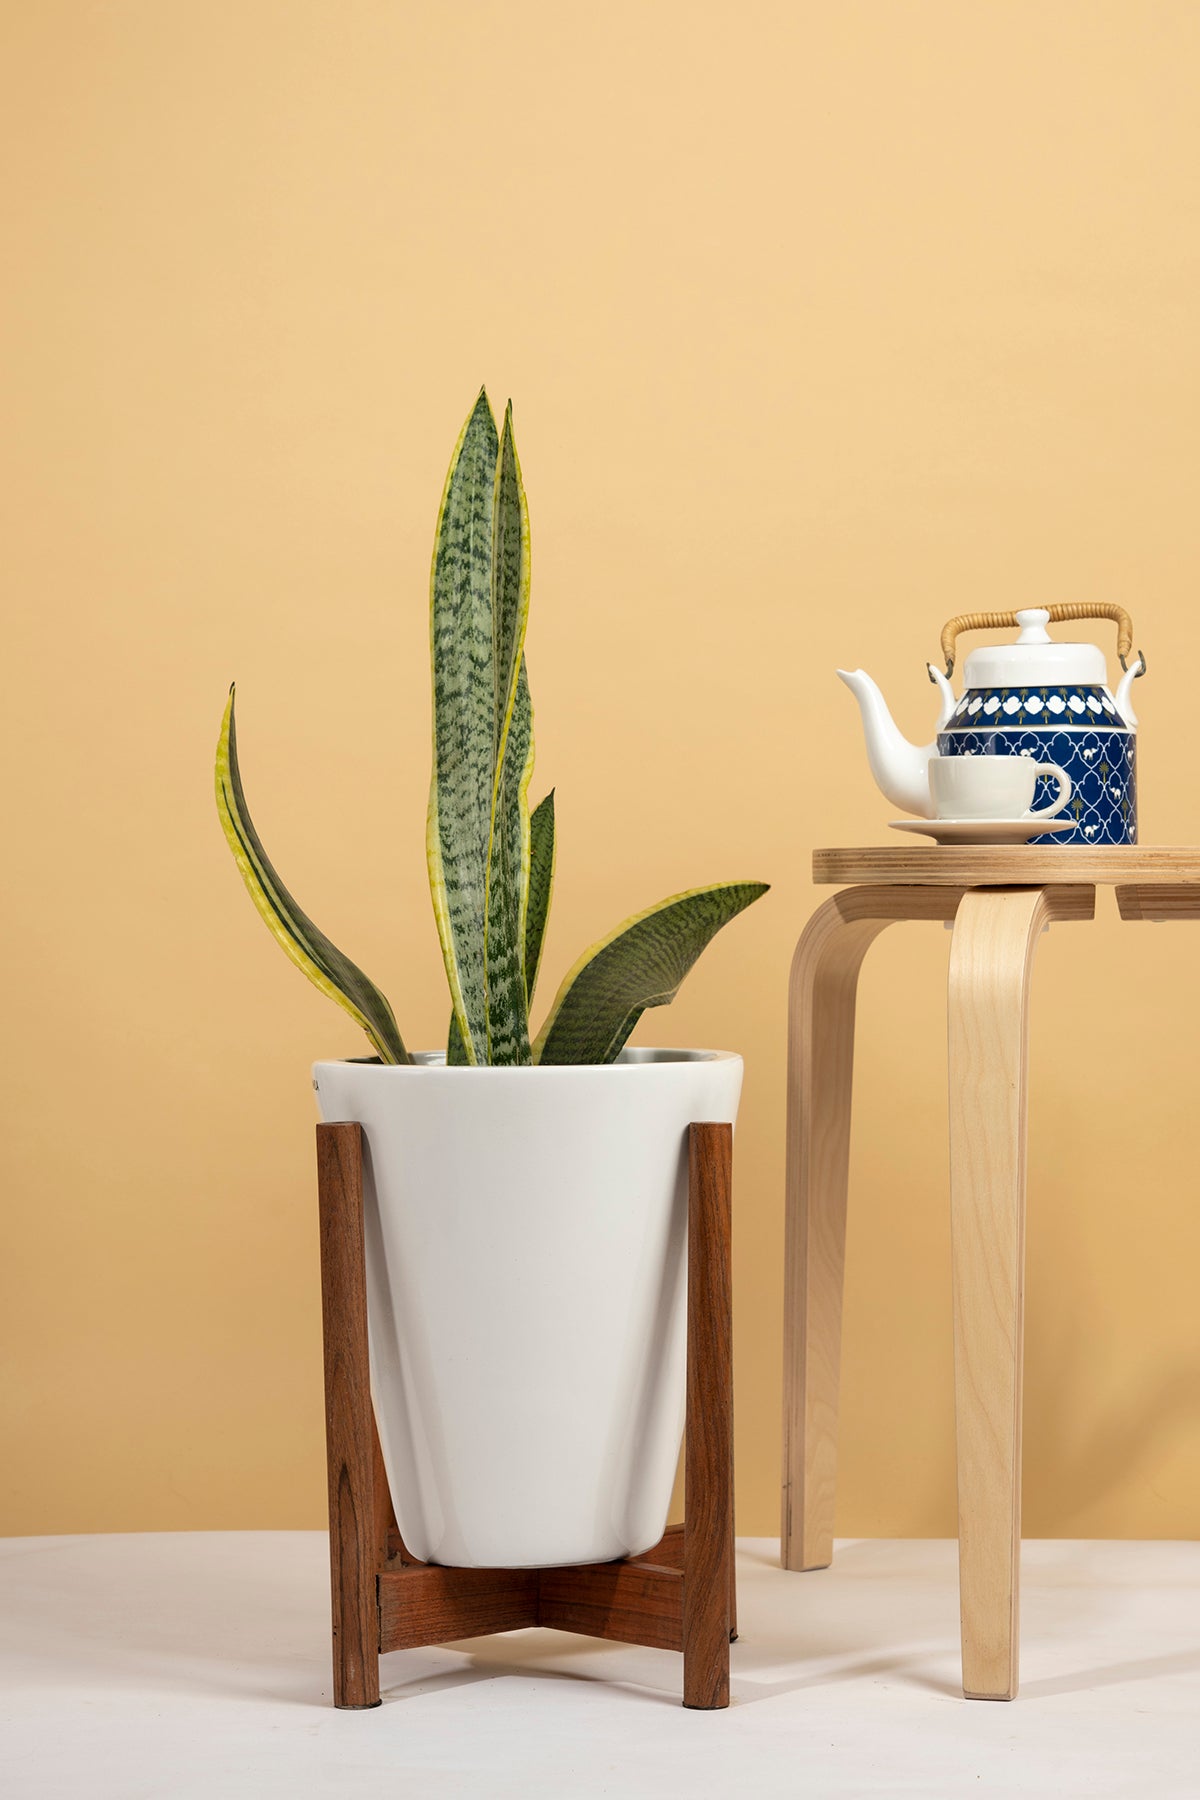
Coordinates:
491 861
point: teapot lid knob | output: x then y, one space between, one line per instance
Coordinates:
1033 622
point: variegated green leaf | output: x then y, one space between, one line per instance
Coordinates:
641 964
534 857
508 888
541 886
508 850
464 731
324 964
510 578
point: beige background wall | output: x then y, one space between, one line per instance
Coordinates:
822 322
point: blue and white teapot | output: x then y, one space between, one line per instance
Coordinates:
1036 698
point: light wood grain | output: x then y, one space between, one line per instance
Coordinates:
1005 865
991 962
821 1005
1159 904
995 932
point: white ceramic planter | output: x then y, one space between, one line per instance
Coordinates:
526 1236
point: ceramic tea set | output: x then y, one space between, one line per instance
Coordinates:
1035 719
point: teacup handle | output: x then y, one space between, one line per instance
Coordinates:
1064 792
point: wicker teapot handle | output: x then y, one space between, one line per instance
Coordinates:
994 621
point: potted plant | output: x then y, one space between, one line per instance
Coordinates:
525 1192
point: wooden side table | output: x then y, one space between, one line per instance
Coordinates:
997 899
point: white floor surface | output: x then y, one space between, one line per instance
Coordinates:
196 1667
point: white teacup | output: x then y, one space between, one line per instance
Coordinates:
992 787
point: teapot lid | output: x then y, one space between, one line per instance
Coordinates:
1035 659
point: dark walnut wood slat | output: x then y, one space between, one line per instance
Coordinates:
677 1596
634 1602
354 1523
667 1553
1007 865
421 1603
708 1449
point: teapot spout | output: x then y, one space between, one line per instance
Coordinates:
901 769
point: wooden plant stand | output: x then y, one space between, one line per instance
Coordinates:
678 1596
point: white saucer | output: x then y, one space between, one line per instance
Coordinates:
981 831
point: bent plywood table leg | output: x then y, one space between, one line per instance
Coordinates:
824 982
991 961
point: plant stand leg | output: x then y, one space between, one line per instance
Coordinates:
733 1629
708 1455
356 1521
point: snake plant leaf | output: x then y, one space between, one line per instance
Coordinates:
324 964
510 579
542 853
640 964
508 890
519 847
508 848
458 829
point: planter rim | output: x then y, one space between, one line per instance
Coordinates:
640 1057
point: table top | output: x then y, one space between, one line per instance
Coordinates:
1008 865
